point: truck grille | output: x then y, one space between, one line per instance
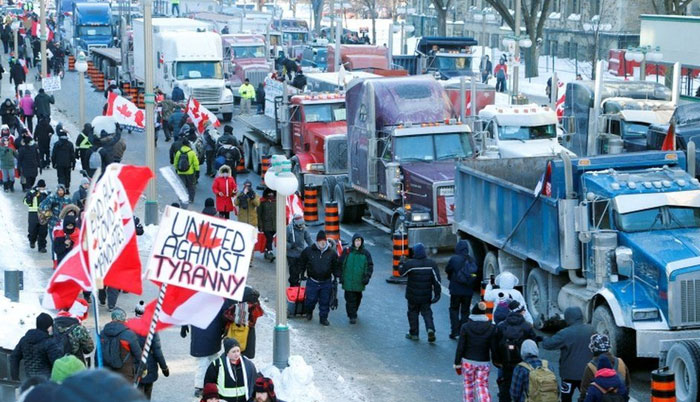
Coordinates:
207 95
256 76
336 154
690 302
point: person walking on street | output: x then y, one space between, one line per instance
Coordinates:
53 205
28 162
501 73
248 203
422 290
175 5
80 195
186 166
72 335
357 267
178 94
43 134
233 373
600 347
224 189
209 147
42 104
154 361
125 356
247 93
84 148
460 266
532 366
63 159
486 67
606 382
477 344
572 342
267 220
259 97
298 239
264 391
36 232
320 262
7 165
26 106
510 336
38 350
17 75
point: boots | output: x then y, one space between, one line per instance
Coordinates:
11 185
6 186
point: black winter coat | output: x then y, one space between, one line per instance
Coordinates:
17 74
28 160
38 350
63 154
513 324
42 133
423 278
573 342
155 359
206 342
8 113
456 263
320 265
42 104
477 340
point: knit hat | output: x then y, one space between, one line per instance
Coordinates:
479 308
60 187
600 343
298 220
321 235
515 307
228 129
41 183
529 349
209 202
118 314
65 367
139 309
43 322
84 180
230 343
90 386
604 362
264 384
210 391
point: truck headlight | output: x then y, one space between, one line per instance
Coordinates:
420 216
315 167
643 314
228 96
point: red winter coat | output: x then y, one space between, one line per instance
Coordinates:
226 186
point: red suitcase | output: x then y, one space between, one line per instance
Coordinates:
295 300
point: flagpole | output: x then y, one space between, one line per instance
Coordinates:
96 313
151 217
151 333
98 343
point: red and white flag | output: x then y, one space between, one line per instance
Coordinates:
200 115
559 106
125 112
68 280
293 207
35 31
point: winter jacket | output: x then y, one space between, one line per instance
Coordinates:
357 266
17 74
155 359
573 343
28 160
178 95
211 211
514 327
590 370
455 264
245 373
477 340
79 197
297 240
191 157
606 378
42 104
118 150
320 265
55 204
208 137
26 104
130 347
501 67
176 119
423 278
226 186
8 111
174 148
80 340
43 132
63 154
206 342
505 290
106 146
520 383
267 218
39 350
248 215
226 139
7 157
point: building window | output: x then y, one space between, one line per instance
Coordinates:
595 7
556 6
573 48
575 6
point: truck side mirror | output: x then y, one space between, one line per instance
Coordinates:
624 261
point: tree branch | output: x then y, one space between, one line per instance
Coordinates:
502 10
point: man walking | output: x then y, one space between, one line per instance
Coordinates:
247 93
422 290
42 104
124 357
186 165
357 266
38 350
486 67
298 238
509 337
461 290
63 159
175 5
43 134
36 232
320 261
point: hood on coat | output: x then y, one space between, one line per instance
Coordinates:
114 328
62 323
419 251
462 247
35 336
357 236
529 349
506 280
573 315
479 324
514 319
68 208
224 169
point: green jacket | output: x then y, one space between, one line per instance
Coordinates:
191 156
357 267
7 158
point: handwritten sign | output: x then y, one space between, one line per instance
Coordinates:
51 84
202 253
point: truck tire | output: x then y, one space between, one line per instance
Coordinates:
256 159
339 197
684 360
621 339
490 266
537 296
398 224
247 153
226 117
296 170
327 190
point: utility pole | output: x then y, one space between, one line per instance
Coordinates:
338 33
516 56
42 21
149 98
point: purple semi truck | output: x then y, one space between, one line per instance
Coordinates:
403 143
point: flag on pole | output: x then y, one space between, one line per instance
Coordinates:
293 207
68 280
200 115
559 106
124 111
669 143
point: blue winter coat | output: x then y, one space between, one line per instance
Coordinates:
454 265
206 342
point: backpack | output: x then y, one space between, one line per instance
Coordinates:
610 394
183 161
95 161
510 345
466 275
542 383
63 339
111 352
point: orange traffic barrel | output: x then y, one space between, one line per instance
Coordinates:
310 204
400 249
71 63
126 90
141 104
100 81
265 166
489 304
241 166
134 94
663 385
332 221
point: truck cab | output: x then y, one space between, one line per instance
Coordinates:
90 26
517 131
295 35
244 57
446 57
358 57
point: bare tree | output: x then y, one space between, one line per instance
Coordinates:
317 6
597 21
534 14
372 9
675 7
441 7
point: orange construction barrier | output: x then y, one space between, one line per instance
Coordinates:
489 304
663 385
310 204
241 166
71 63
265 166
332 221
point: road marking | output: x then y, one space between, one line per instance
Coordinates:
347 232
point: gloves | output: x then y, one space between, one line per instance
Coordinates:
183 331
166 371
457 368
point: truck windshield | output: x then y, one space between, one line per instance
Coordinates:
527 133
95 31
295 37
662 218
249 52
198 69
431 147
634 130
324 113
453 63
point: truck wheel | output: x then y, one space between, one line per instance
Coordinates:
537 296
684 360
256 160
490 266
227 117
296 170
398 225
339 197
247 153
327 189
621 339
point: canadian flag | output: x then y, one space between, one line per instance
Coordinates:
35 31
124 111
68 280
293 207
559 106
200 115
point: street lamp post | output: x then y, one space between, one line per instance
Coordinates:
149 99
81 66
281 179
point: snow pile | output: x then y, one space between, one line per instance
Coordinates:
17 318
295 383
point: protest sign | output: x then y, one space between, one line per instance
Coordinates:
51 84
202 253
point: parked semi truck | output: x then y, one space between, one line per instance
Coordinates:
90 26
245 57
444 57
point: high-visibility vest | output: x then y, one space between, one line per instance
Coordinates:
34 207
230 392
85 142
247 91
